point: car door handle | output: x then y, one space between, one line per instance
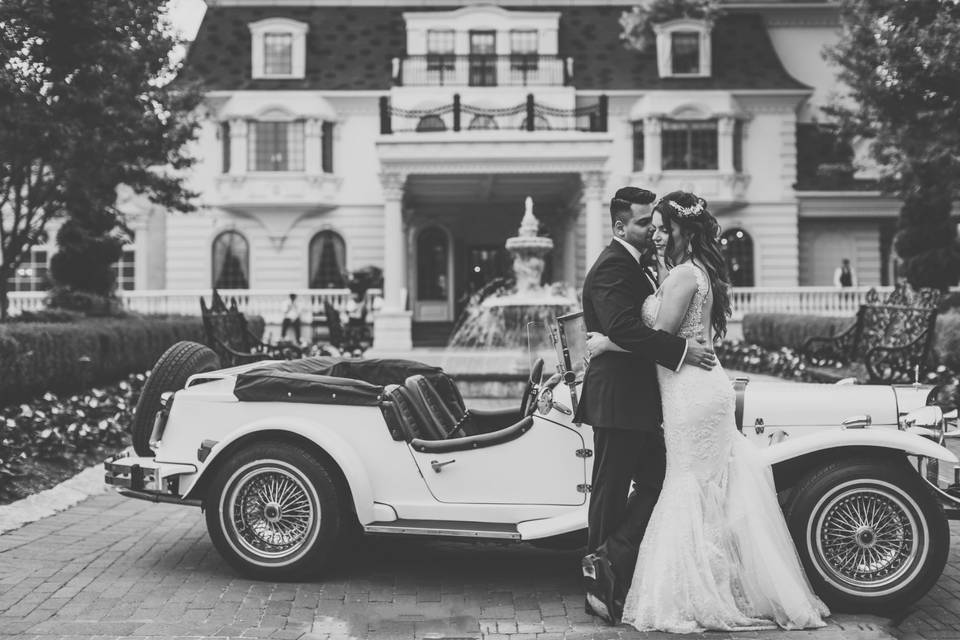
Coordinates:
438 466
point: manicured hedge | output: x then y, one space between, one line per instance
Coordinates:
777 330
40 357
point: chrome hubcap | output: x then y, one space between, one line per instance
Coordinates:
272 512
867 539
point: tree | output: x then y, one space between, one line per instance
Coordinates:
899 60
105 114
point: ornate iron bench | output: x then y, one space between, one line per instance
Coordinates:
226 331
889 342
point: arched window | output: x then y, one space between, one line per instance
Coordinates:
483 122
431 123
231 261
432 265
328 261
737 247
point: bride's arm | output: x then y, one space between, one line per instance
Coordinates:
678 291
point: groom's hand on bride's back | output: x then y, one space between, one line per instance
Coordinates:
700 354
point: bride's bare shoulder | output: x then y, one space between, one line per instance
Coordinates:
681 278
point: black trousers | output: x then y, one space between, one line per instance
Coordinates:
617 522
290 323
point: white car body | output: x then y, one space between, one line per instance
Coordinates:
534 485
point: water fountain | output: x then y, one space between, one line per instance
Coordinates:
501 319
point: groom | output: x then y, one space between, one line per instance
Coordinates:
621 401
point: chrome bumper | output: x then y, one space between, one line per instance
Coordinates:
145 478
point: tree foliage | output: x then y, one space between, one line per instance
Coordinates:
899 60
85 107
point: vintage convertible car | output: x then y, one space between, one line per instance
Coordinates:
290 458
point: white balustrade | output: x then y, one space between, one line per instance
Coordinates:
268 304
820 301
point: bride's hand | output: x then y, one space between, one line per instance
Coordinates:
597 343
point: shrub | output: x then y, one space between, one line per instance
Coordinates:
777 330
64 358
946 340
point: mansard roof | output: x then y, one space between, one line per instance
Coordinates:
351 47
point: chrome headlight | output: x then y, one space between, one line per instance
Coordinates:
943 396
545 401
926 422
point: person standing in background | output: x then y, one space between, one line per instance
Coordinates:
291 318
843 276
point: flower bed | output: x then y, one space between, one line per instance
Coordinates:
789 364
52 437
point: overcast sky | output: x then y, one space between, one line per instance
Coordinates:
186 15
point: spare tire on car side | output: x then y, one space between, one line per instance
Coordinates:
170 373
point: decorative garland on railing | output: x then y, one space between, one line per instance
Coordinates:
504 111
592 109
539 109
420 113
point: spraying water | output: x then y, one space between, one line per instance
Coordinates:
500 319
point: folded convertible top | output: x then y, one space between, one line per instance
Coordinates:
326 380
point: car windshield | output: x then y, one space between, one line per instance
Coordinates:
570 341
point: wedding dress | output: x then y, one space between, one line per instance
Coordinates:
717 553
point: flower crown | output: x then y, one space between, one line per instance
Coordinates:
687 212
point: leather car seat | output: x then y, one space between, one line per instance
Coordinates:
414 421
438 411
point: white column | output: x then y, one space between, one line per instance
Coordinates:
652 146
725 145
392 326
238 146
594 183
313 131
570 251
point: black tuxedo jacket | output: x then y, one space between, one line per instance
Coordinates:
620 390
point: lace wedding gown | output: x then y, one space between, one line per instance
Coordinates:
717 553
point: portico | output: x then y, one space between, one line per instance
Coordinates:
467 192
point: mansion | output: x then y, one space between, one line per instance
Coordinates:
339 135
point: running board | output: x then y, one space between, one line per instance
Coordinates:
452 528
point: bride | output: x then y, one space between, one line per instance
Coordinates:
716 553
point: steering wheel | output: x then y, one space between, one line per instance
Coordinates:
529 401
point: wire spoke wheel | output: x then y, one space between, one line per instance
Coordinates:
270 513
868 537
870 533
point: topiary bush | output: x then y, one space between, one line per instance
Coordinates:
778 330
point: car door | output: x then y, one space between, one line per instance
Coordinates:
544 465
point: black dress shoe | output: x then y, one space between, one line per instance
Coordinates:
600 581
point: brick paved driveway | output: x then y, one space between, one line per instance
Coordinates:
115 567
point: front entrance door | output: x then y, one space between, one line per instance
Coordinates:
485 264
483 58
433 300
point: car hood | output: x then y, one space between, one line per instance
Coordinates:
822 405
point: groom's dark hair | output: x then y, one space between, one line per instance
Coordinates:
624 198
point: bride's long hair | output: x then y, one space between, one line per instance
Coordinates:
688 212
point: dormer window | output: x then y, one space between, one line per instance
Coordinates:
683 48
278 48
277 54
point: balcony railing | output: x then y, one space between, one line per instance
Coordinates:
526 116
483 70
